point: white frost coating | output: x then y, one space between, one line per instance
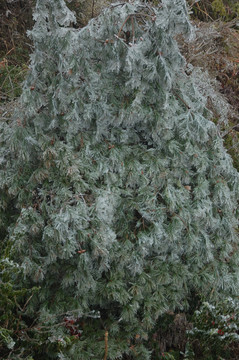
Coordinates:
105 206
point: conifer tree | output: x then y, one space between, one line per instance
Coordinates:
126 198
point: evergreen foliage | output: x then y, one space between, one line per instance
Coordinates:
123 199
216 330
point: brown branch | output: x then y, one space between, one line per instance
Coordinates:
179 97
174 214
25 305
133 34
19 307
123 25
81 251
123 42
10 51
132 23
142 14
92 9
106 345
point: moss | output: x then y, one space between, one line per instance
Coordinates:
218 9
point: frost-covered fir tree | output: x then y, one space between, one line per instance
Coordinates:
126 197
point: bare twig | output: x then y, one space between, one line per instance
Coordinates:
115 5
229 130
204 12
235 145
